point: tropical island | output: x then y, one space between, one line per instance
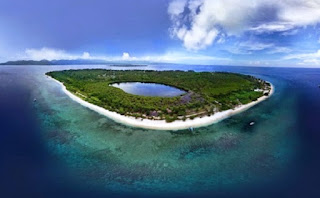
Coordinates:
205 96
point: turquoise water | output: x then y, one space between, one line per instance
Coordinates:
149 89
122 158
224 158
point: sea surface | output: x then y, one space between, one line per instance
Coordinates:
50 146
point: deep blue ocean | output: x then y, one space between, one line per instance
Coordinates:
54 147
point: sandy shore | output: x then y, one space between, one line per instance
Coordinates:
162 124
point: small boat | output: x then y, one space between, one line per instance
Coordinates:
251 123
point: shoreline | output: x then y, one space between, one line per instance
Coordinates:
162 124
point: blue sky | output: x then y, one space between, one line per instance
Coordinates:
223 32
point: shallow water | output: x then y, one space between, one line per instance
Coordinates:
149 89
79 150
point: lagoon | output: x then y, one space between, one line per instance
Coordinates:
149 89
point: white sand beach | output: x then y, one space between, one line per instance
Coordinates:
162 124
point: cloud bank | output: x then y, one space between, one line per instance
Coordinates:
305 58
199 23
52 54
169 57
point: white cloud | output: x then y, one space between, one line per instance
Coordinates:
176 7
46 53
311 61
51 54
86 55
198 23
290 33
125 56
255 46
221 39
272 27
306 58
280 50
250 46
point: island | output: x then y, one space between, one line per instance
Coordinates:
205 97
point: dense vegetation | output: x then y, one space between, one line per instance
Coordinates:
207 92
